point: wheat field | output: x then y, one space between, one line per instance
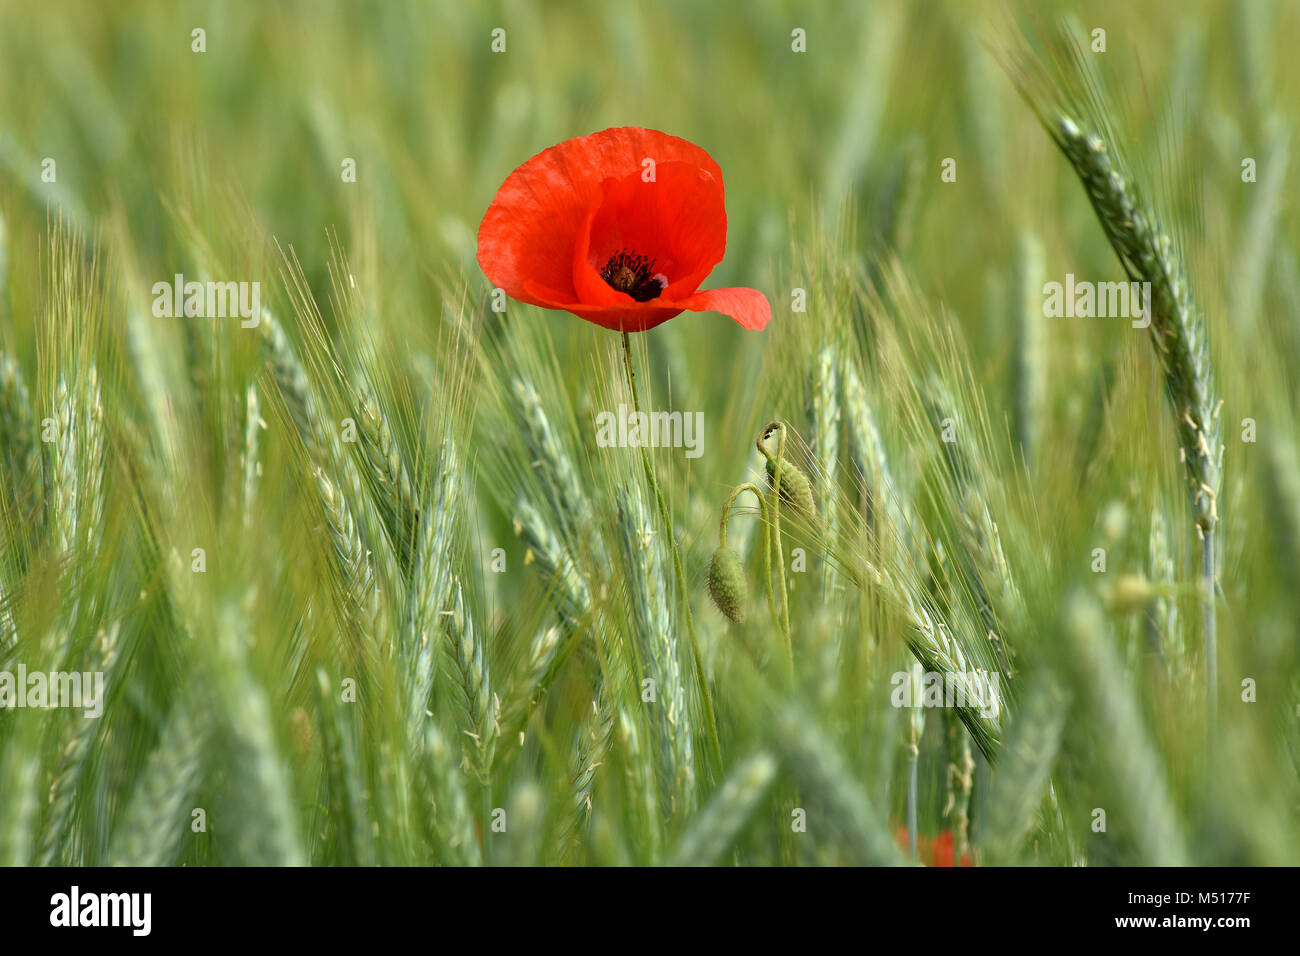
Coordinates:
364 584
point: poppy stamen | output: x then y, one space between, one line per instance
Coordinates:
634 274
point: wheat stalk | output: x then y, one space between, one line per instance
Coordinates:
1071 108
324 446
720 821
19 469
527 686
430 587
1019 787
250 463
21 768
268 830
1260 233
550 461
291 379
61 473
1281 478
342 781
915 729
18 454
961 783
351 556
158 816
1148 253
441 777
1162 612
395 492
935 646
522 841
823 775
475 703
930 639
545 548
659 652
92 466
1031 358
984 567
824 427
75 746
887 506
590 746
679 572
1136 766
639 779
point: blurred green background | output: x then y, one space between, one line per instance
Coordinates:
138 123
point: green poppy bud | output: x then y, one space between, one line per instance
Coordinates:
727 585
796 489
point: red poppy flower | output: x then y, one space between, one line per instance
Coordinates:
619 227
935 851
943 852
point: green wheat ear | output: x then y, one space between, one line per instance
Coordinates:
1149 254
1147 241
727 585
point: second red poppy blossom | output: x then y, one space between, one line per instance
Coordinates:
620 228
936 851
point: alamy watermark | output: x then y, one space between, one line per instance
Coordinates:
978 690
1086 300
133 911
631 429
208 300
45 689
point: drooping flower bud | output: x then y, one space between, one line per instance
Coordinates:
727 584
796 489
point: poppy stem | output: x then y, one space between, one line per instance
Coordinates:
767 538
1210 649
774 531
913 755
706 696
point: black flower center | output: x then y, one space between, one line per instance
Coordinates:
634 274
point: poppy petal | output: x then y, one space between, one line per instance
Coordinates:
641 319
532 226
749 307
588 286
629 316
678 219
